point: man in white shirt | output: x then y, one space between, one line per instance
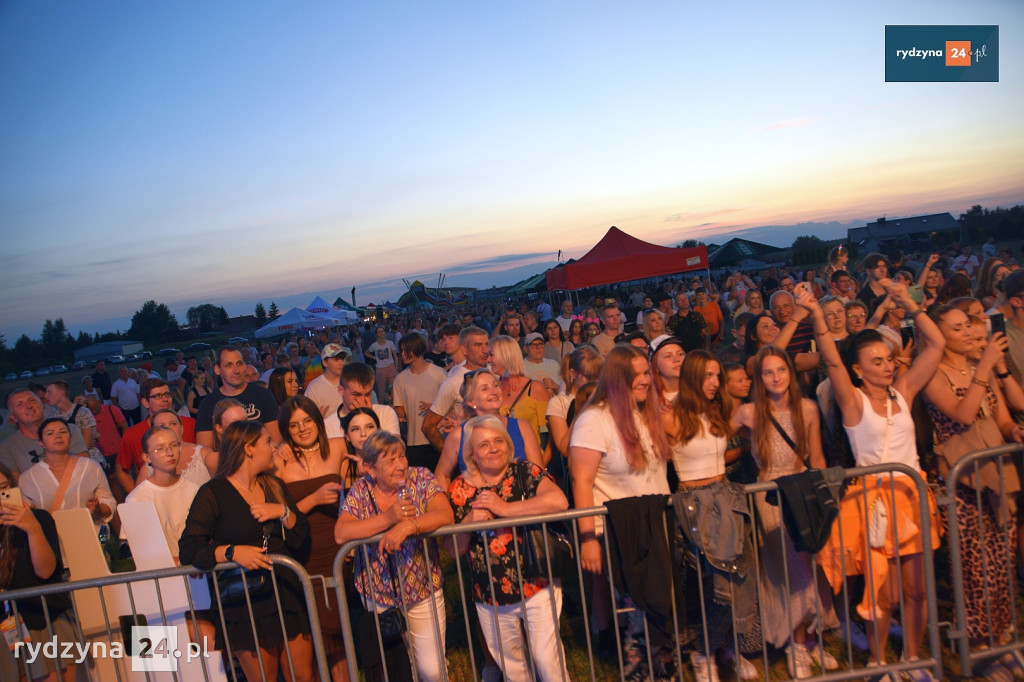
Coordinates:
538 367
565 318
324 389
415 388
124 393
966 260
356 387
476 347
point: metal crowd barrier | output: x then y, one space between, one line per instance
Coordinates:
978 504
115 634
883 475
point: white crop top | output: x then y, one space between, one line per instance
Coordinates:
703 456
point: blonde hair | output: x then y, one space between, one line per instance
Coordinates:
491 423
509 355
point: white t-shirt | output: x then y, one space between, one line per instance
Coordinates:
448 395
383 353
595 429
172 504
386 414
545 369
126 393
559 406
323 392
413 389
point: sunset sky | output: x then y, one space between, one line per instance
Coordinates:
231 152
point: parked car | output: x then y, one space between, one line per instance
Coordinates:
145 355
44 371
193 347
131 357
238 339
11 376
164 352
115 359
60 369
27 374
79 364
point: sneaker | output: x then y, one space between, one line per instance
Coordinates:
798 660
920 674
745 670
704 668
820 656
854 636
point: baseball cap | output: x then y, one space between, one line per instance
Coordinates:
531 337
333 350
665 339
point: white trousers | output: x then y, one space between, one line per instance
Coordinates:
504 635
427 642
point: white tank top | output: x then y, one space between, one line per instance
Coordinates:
703 456
867 439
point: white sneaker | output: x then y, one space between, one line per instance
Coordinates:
820 656
704 668
745 670
798 660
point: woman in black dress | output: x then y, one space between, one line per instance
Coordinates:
244 514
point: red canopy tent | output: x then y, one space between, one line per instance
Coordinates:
620 257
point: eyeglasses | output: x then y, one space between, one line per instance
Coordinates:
469 375
164 449
152 396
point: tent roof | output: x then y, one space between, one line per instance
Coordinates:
620 257
319 306
295 319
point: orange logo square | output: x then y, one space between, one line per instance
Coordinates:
958 53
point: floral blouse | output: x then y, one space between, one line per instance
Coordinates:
505 588
416 580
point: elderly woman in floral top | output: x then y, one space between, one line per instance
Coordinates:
399 501
493 486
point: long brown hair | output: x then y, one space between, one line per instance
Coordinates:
763 427
691 404
288 408
7 550
615 392
237 435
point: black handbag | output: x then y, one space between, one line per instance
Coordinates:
258 582
542 546
392 624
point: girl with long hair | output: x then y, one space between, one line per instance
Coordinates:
576 335
786 436
244 514
283 383
556 346
617 449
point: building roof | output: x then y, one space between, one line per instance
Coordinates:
883 229
741 249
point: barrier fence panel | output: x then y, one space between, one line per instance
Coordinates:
981 508
151 628
710 608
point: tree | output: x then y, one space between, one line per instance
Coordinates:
261 314
206 316
84 339
690 243
807 242
153 323
274 313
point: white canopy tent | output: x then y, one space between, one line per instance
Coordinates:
318 306
295 320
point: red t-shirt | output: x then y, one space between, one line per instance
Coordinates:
106 425
130 452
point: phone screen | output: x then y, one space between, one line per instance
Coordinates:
997 323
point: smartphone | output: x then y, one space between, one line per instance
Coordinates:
906 335
997 323
11 497
916 293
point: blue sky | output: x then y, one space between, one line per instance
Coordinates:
232 152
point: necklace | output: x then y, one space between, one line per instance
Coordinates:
248 493
955 369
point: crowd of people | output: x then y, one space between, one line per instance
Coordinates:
677 390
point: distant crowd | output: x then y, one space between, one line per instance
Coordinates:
683 386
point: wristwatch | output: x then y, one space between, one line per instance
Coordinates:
229 553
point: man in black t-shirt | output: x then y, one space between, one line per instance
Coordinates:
101 380
260 404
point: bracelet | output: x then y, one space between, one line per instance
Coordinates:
591 535
979 382
287 513
1002 375
417 522
919 311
